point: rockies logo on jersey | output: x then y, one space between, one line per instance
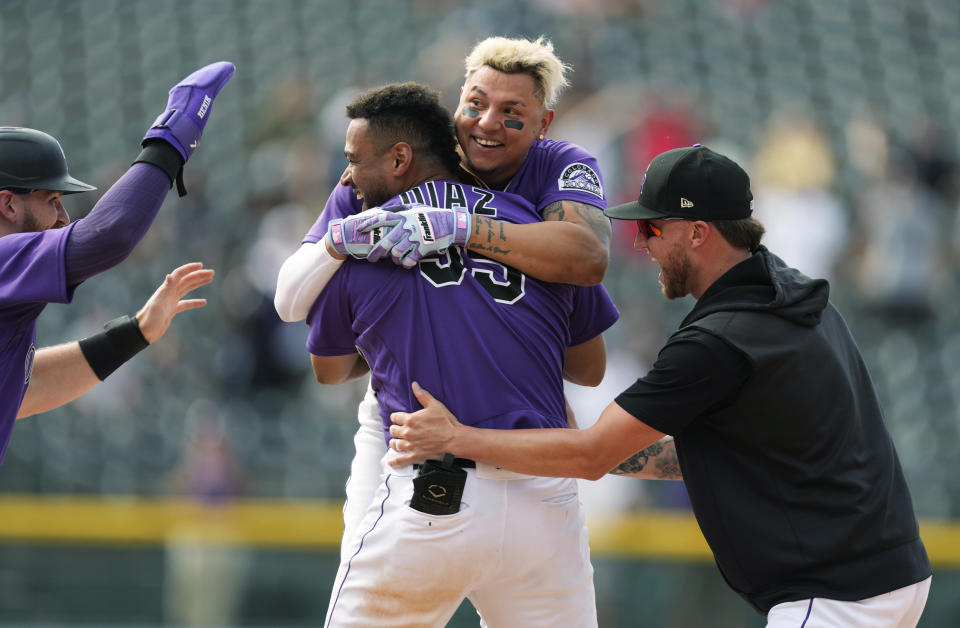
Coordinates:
581 177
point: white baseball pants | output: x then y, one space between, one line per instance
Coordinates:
518 550
900 608
364 477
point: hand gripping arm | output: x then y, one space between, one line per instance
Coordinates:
419 231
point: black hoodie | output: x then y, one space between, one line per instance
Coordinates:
794 479
763 283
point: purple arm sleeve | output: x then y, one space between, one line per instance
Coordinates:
107 235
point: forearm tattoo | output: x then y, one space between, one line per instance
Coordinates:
585 214
494 242
657 462
496 237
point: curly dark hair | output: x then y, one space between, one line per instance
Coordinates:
412 113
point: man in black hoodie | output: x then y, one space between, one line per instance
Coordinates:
772 416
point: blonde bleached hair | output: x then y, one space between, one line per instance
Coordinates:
513 56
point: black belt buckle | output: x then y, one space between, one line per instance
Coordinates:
438 487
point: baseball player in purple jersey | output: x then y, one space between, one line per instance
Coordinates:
45 256
497 342
504 114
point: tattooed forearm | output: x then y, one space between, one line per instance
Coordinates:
656 462
594 218
489 250
565 252
581 213
638 461
492 245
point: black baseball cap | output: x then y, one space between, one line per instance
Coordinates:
691 183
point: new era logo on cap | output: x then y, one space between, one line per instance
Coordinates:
691 183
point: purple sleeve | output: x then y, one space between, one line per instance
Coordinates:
341 203
574 174
108 234
31 275
593 313
31 268
331 319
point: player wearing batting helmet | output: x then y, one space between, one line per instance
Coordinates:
776 426
45 256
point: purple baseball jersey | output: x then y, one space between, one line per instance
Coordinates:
553 171
32 274
486 339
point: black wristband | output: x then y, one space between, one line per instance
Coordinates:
165 157
119 341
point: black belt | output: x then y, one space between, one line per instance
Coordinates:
463 463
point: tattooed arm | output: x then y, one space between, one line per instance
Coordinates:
656 462
571 245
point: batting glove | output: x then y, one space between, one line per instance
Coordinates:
420 231
188 108
356 235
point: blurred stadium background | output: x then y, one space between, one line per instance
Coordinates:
200 485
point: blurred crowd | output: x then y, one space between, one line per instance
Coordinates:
844 120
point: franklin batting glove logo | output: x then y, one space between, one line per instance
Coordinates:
426 231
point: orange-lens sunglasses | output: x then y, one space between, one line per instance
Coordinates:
649 230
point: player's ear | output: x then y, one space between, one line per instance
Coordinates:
402 155
700 232
7 211
545 120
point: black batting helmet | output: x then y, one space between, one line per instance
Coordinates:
34 160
